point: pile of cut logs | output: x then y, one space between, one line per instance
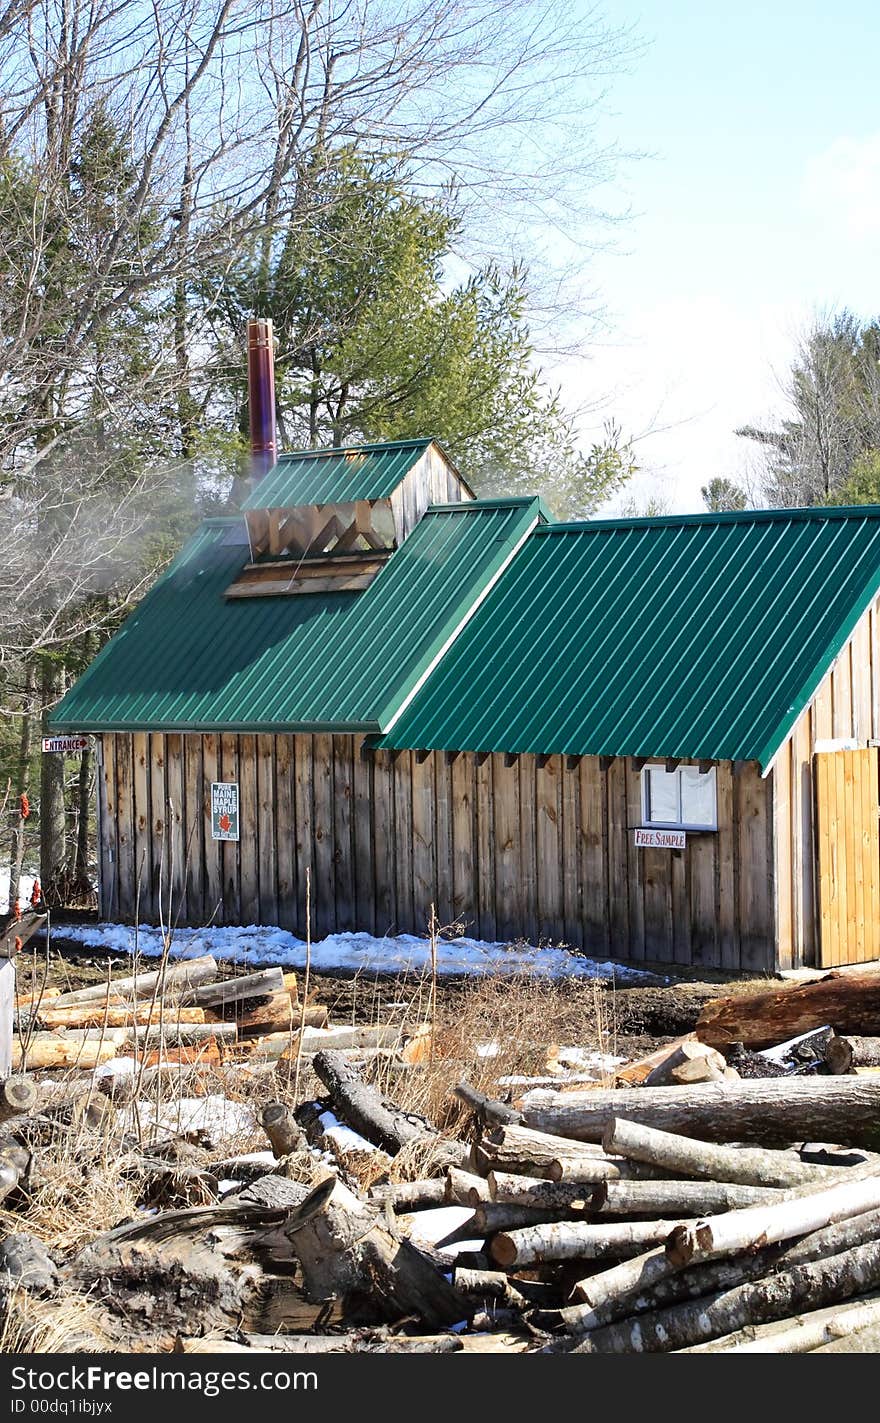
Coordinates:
685 1209
183 1014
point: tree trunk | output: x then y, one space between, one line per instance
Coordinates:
529 1153
14 1162
612 1168
53 818
839 1277
178 979
677 1197
18 1097
799 1336
404 1196
325 1040
762 1225
53 1050
487 1109
774 1111
21 783
97 1015
463 1188
540 1195
363 1107
492 1216
180 1034
538 1244
267 982
748 1166
282 1129
865 1341
845 1054
847 1002
344 1252
359 1341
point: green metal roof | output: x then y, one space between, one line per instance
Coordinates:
336 476
190 659
699 637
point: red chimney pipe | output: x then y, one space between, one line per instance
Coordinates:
261 396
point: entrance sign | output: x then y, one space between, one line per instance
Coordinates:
66 744
224 810
660 839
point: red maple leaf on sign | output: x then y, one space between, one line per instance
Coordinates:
225 824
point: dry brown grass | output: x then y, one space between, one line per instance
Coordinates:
66 1324
522 1017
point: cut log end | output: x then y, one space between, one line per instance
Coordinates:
18 1096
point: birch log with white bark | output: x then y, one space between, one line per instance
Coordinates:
762 1225
797 1336
540 1243
746 1166
265 983
824 1282
676 1197
652 1281
539 1195
463 1188
403 1196
492 1216
593 1169
773 1111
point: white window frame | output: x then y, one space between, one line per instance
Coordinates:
679 824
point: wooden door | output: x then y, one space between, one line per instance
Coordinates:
848 855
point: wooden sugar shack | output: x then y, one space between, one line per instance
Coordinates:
655 739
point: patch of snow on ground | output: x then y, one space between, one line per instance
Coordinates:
343 1137
582 1057
260 946
25 890
432 1226
215 1114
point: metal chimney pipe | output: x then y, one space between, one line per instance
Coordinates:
261 396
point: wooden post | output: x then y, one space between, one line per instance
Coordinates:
7 1012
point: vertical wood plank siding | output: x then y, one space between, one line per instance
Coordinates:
523 850
846 707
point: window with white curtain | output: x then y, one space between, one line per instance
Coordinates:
683 798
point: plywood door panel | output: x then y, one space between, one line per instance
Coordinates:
848 855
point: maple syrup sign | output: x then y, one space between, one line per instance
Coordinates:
224 810
660 839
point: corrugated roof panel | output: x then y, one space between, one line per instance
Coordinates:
190 659
700 637
336 476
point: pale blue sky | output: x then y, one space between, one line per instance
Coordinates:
758 205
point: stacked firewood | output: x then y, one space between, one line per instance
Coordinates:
184 1014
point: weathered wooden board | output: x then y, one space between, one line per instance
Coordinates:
509 848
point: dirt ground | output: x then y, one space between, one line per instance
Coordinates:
635 1018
